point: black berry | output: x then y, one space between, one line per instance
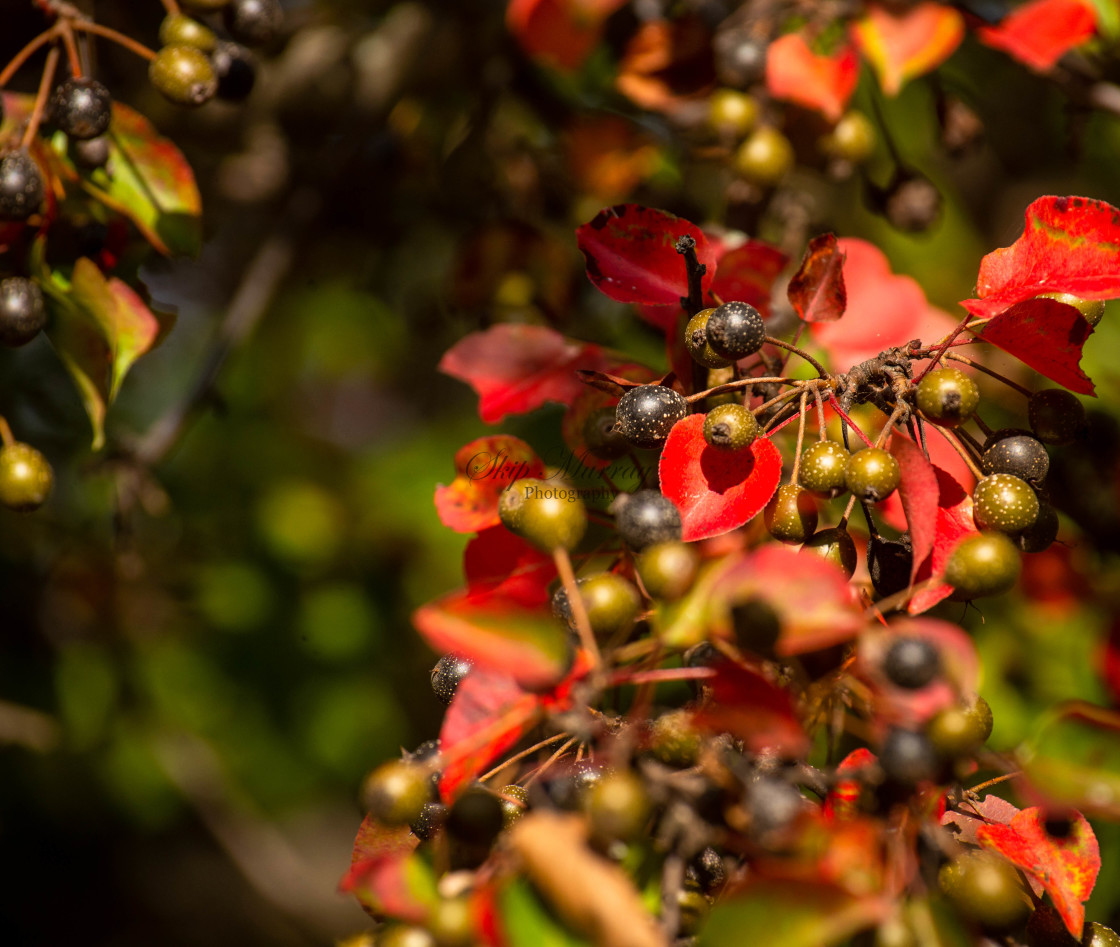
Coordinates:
447 675
911 662
889 561
707 871
1041 533
756 625
1056 416
432 817
645 518
1020 455
22 311
908 757
475 817
601 437
235 69
645 415
730 427
735 330
91 153
253 22
21 186
82 108
947 397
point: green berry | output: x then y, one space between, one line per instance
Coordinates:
947 397
645 415
674 740
852 139
895 932
451 922
549 515
26 478
735 330
730 427
732 113
958 731
834 545
1056 416
765 157
645 518
21 186
872 474
1091 309
791 514
985 564
1005 503
667 569
889 562
618 807
1017 454
611 602
23 313
823 469
178 29
1097 935
693 908
395 792
405 935
183 75
696 341
986 888
81 107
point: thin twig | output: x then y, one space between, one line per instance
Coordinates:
40 98
964 359
88 26
575 603
789 346
26 53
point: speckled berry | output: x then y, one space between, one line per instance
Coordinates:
645 518
1020 455
872 474
674 740
514 800
645 415
823 469
447 675
985 564
1091 309
791 514
23 313
696 341
730 427
21 186
736 330
1041 533
548 514
834 545
1005 503
1056 416
947 397
667 569
81 107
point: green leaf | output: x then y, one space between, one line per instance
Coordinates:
1108 18
790 913
528 923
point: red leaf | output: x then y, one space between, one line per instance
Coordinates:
1039 33
822 83
954 523
716 490
516 368
666 63
973 815
817 288
632 257
1048 336
508 566
907 44
484 468
746 705
1068 245
884 309
559 33
1066 867
747 274
395 885
842 801
919 493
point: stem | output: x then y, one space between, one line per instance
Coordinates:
889 426
694 301
737 384
114 36
847 420
789 346
40 98
171 7
800 438
543 768
26 53
6 437
516 758
821 424
575 602
964 359
72 53
943 347
995 781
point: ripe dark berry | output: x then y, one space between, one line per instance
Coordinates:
601 437
1056 416
773 805
568 791
645 415
765 157
1020 455
26 478
447 675
823 469
81 107
618 807
756 625
21 186
1040 534
183 75
911 662
791 514
984 564
667 570
431 819
236 70
707 871
730 426
736 330
947 397
1005 503
475 817
1091 309
253 22
696 341
611 602
889 561
645 518
908 757
549 515
92 153
872 474
834 545
986 888
178 29
396 792
22 311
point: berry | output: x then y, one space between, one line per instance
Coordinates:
958 731
475 818
852 139
514 800
1004 503
645 518
872 474
1041 533
730 426
91 153
447 675
618 807
81 107
26 478
736 330
1097 935
1020 455
451 922
947 397
674 740
986 889
911 662
823 468
395 793
908 757
984 564
696 341
405 935
253 22
178 29
912 203
756 625
235 69
773 805
611 602
732 113
22 311
549 515
765 157
431 819
1056 416
568 791
667 569
889 562
21 186
1091 309
693 909
645 415
601 437
183 75
834 545
791 514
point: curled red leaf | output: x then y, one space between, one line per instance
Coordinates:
1047 335
817 289
822 83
